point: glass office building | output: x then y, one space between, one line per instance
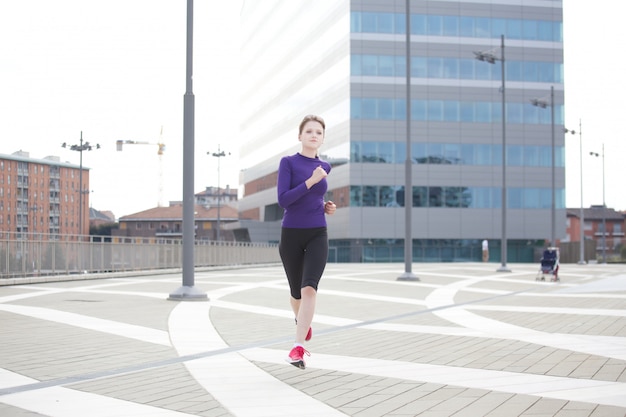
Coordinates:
347 61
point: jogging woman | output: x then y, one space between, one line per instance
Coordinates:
304 241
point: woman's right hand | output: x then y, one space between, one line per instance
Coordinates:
317 175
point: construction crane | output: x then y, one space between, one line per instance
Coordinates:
161 148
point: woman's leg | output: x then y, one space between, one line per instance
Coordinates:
304 314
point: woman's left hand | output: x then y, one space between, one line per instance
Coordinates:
330 207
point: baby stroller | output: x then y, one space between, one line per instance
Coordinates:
549 265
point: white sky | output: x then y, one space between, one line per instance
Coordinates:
116 70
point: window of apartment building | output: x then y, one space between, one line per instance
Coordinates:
138 225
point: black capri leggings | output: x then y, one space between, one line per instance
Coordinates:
304 253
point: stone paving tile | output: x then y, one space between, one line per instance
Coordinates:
145 368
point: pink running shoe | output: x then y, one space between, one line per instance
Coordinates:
296 357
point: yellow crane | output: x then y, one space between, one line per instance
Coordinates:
161 148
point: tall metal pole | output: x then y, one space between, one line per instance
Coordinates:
603 205
82 146
408 183
603 211
503 249
553 211
219 154
188 292
581 261
80 188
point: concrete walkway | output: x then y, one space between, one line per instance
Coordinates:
463 341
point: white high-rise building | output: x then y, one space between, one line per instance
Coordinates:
346 60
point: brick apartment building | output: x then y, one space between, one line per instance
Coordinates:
42 196
595 219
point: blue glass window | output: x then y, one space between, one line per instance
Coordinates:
435 110
532 198
385 109
356 196
418 24
369 65
482 112
400 23
450 68
419 67
385 23
451 111
452 153
434 25
369 152
434 67
450 25
514 29
400 109
531 156
370 196
368 22
418 153
368 108
386 65
482 27
418 110
515 198
455 68
530 30
420 197
385 152
399 152
466 27
514 155
498 27
355 65
515 112
467 154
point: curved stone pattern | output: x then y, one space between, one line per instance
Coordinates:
463 337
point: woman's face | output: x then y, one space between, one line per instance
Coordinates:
312 135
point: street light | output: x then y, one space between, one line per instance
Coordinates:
408 274
603 206
491 58
540 102
581 261
86 146
219 154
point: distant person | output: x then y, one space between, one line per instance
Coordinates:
485 251
303 243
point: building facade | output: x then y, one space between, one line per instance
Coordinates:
346 60
42 196
604 226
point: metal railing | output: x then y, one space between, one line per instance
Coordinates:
36 254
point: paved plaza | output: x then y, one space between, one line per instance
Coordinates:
463 341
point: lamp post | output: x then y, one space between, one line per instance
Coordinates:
581 261
82 146
491 58
188 291
603 205
539 102
219 154
408 275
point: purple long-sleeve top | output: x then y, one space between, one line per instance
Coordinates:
304 208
